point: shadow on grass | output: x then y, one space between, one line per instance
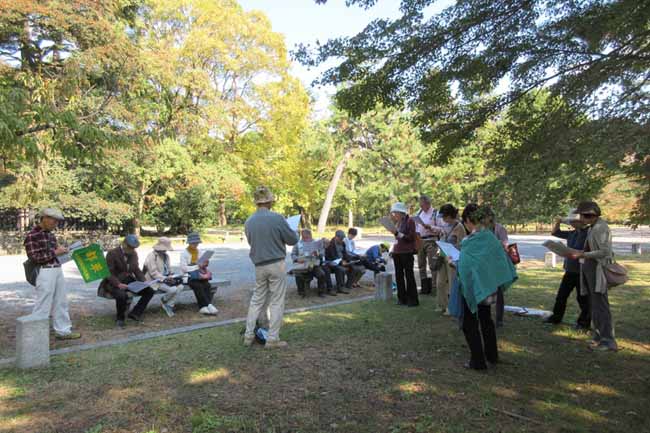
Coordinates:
369 367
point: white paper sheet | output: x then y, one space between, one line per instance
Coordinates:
449 250
65 258
205 257
559 248
138 286
387 223
523 311
294 222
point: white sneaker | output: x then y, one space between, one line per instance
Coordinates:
169 309
206 311
213 309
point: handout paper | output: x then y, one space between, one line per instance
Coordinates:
294 222
449 250
65 258
205 257
138 286
388 224
559 248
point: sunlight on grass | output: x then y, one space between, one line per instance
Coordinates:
119 394
504 392
592 388
13 424
510 347
551 409
348 316
412 388
205 376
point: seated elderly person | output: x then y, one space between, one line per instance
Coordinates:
157 267
124 269
307 256
339 259
373 259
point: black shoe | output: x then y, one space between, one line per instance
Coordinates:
581 328
135 318
120 323
468 365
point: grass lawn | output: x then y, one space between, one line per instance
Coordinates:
367 367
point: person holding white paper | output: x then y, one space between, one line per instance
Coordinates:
403 251
193 264
429 233
124 268
447 272
157 267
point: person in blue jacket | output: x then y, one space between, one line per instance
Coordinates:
373 259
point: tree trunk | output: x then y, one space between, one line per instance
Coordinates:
137 219
350 218
331 190
223 221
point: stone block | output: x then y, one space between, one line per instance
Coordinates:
32 341
550 260
636 249
384 286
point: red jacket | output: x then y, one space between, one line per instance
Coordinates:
406 243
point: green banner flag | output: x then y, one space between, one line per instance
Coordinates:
91 263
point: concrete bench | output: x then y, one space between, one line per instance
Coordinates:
215 283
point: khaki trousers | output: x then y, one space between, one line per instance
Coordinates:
444 280
428 252
52 299
270 289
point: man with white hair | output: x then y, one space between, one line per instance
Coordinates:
44 251
429 232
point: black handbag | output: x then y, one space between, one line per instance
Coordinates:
31 271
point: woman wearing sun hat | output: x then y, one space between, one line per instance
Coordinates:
597 253
157 267
403 251
199 275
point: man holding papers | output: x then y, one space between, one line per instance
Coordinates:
44 251
124 268
268 233
429 233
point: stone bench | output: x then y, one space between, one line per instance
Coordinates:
215 283
32 341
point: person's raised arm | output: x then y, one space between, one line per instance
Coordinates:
557 232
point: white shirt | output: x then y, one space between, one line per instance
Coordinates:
349 245
428 218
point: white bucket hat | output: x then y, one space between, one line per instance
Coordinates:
164 244
399 207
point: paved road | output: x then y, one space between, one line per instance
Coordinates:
231 262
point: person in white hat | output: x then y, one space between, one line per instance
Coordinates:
157 267
44 251
403 252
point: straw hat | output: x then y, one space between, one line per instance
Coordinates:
399 207
164 244
263 195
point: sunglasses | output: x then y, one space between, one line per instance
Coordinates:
588 215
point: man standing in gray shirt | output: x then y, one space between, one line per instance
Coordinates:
268 234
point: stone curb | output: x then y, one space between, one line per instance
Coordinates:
183 329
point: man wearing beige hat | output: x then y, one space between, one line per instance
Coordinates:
157 267
51 296
268 233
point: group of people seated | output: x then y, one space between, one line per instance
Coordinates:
318 259
125 269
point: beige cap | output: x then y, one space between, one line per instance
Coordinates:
164 244
263 195
52 213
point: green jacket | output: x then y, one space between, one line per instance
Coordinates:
483 267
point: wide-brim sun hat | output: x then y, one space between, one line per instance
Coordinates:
164 244
52 213
194 238
263 195
399 207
